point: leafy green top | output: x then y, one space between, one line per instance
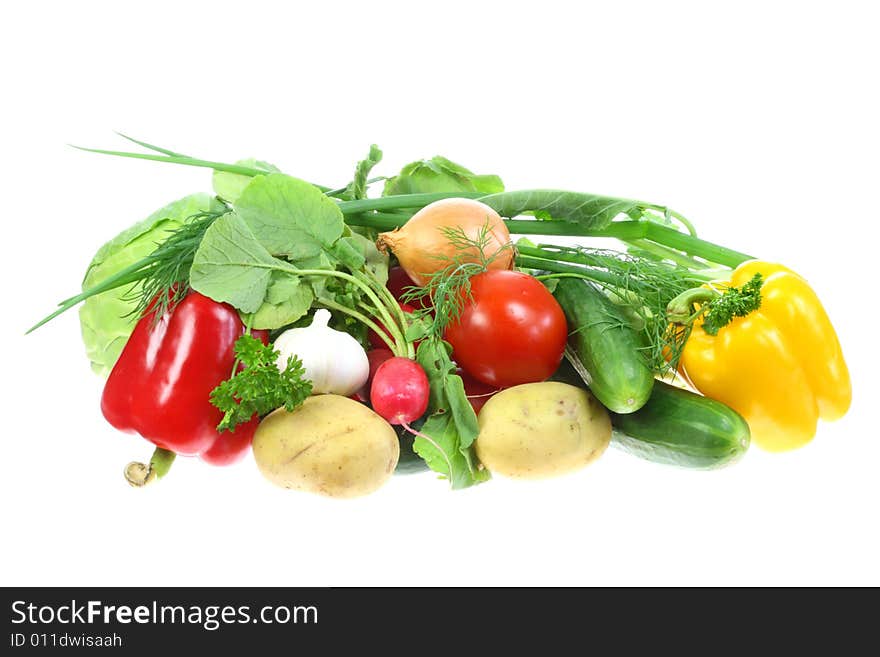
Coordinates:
440 175
357 188
273 260
451 423
735 302
291 217
229 186
260 387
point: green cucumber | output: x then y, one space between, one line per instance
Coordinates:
604 347
682 428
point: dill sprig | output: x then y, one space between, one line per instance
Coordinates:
641 286
448 290
165 280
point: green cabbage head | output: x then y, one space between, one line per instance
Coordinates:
107 319
440 175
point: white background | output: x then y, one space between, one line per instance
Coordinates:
759 122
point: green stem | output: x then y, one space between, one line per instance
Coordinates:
188 161
152 147
680 309
381 221
135 272
381 308
622 230
393 219
248 325
598 275
550 277
400 201
669 254
398 351
591 270
628 231
131 274
684 222
395 307
339 190
140 474
332 305
695 246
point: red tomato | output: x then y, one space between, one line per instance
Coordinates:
512 332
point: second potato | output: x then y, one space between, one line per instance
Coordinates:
541 430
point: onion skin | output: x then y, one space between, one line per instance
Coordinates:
422 249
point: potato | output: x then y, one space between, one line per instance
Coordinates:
540 430
331 445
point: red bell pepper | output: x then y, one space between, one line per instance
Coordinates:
161 385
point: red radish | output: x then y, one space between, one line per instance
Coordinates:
375 341
400 391
376 357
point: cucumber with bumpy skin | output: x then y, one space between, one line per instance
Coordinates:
604 347
682 428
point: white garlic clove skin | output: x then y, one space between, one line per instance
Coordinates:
333 360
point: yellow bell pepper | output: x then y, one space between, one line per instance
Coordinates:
780 366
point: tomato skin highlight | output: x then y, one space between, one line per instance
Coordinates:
512 332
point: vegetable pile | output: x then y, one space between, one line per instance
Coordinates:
343 338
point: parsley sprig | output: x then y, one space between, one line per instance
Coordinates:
260 387
735 302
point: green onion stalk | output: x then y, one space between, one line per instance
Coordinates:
385 214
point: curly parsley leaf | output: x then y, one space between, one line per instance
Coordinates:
260 387
735 302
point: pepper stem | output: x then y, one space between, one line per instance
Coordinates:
681 309
139 474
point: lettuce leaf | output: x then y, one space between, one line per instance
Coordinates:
229 186
107 319
440 175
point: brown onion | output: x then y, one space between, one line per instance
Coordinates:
423 248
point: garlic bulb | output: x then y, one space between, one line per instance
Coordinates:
334 361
